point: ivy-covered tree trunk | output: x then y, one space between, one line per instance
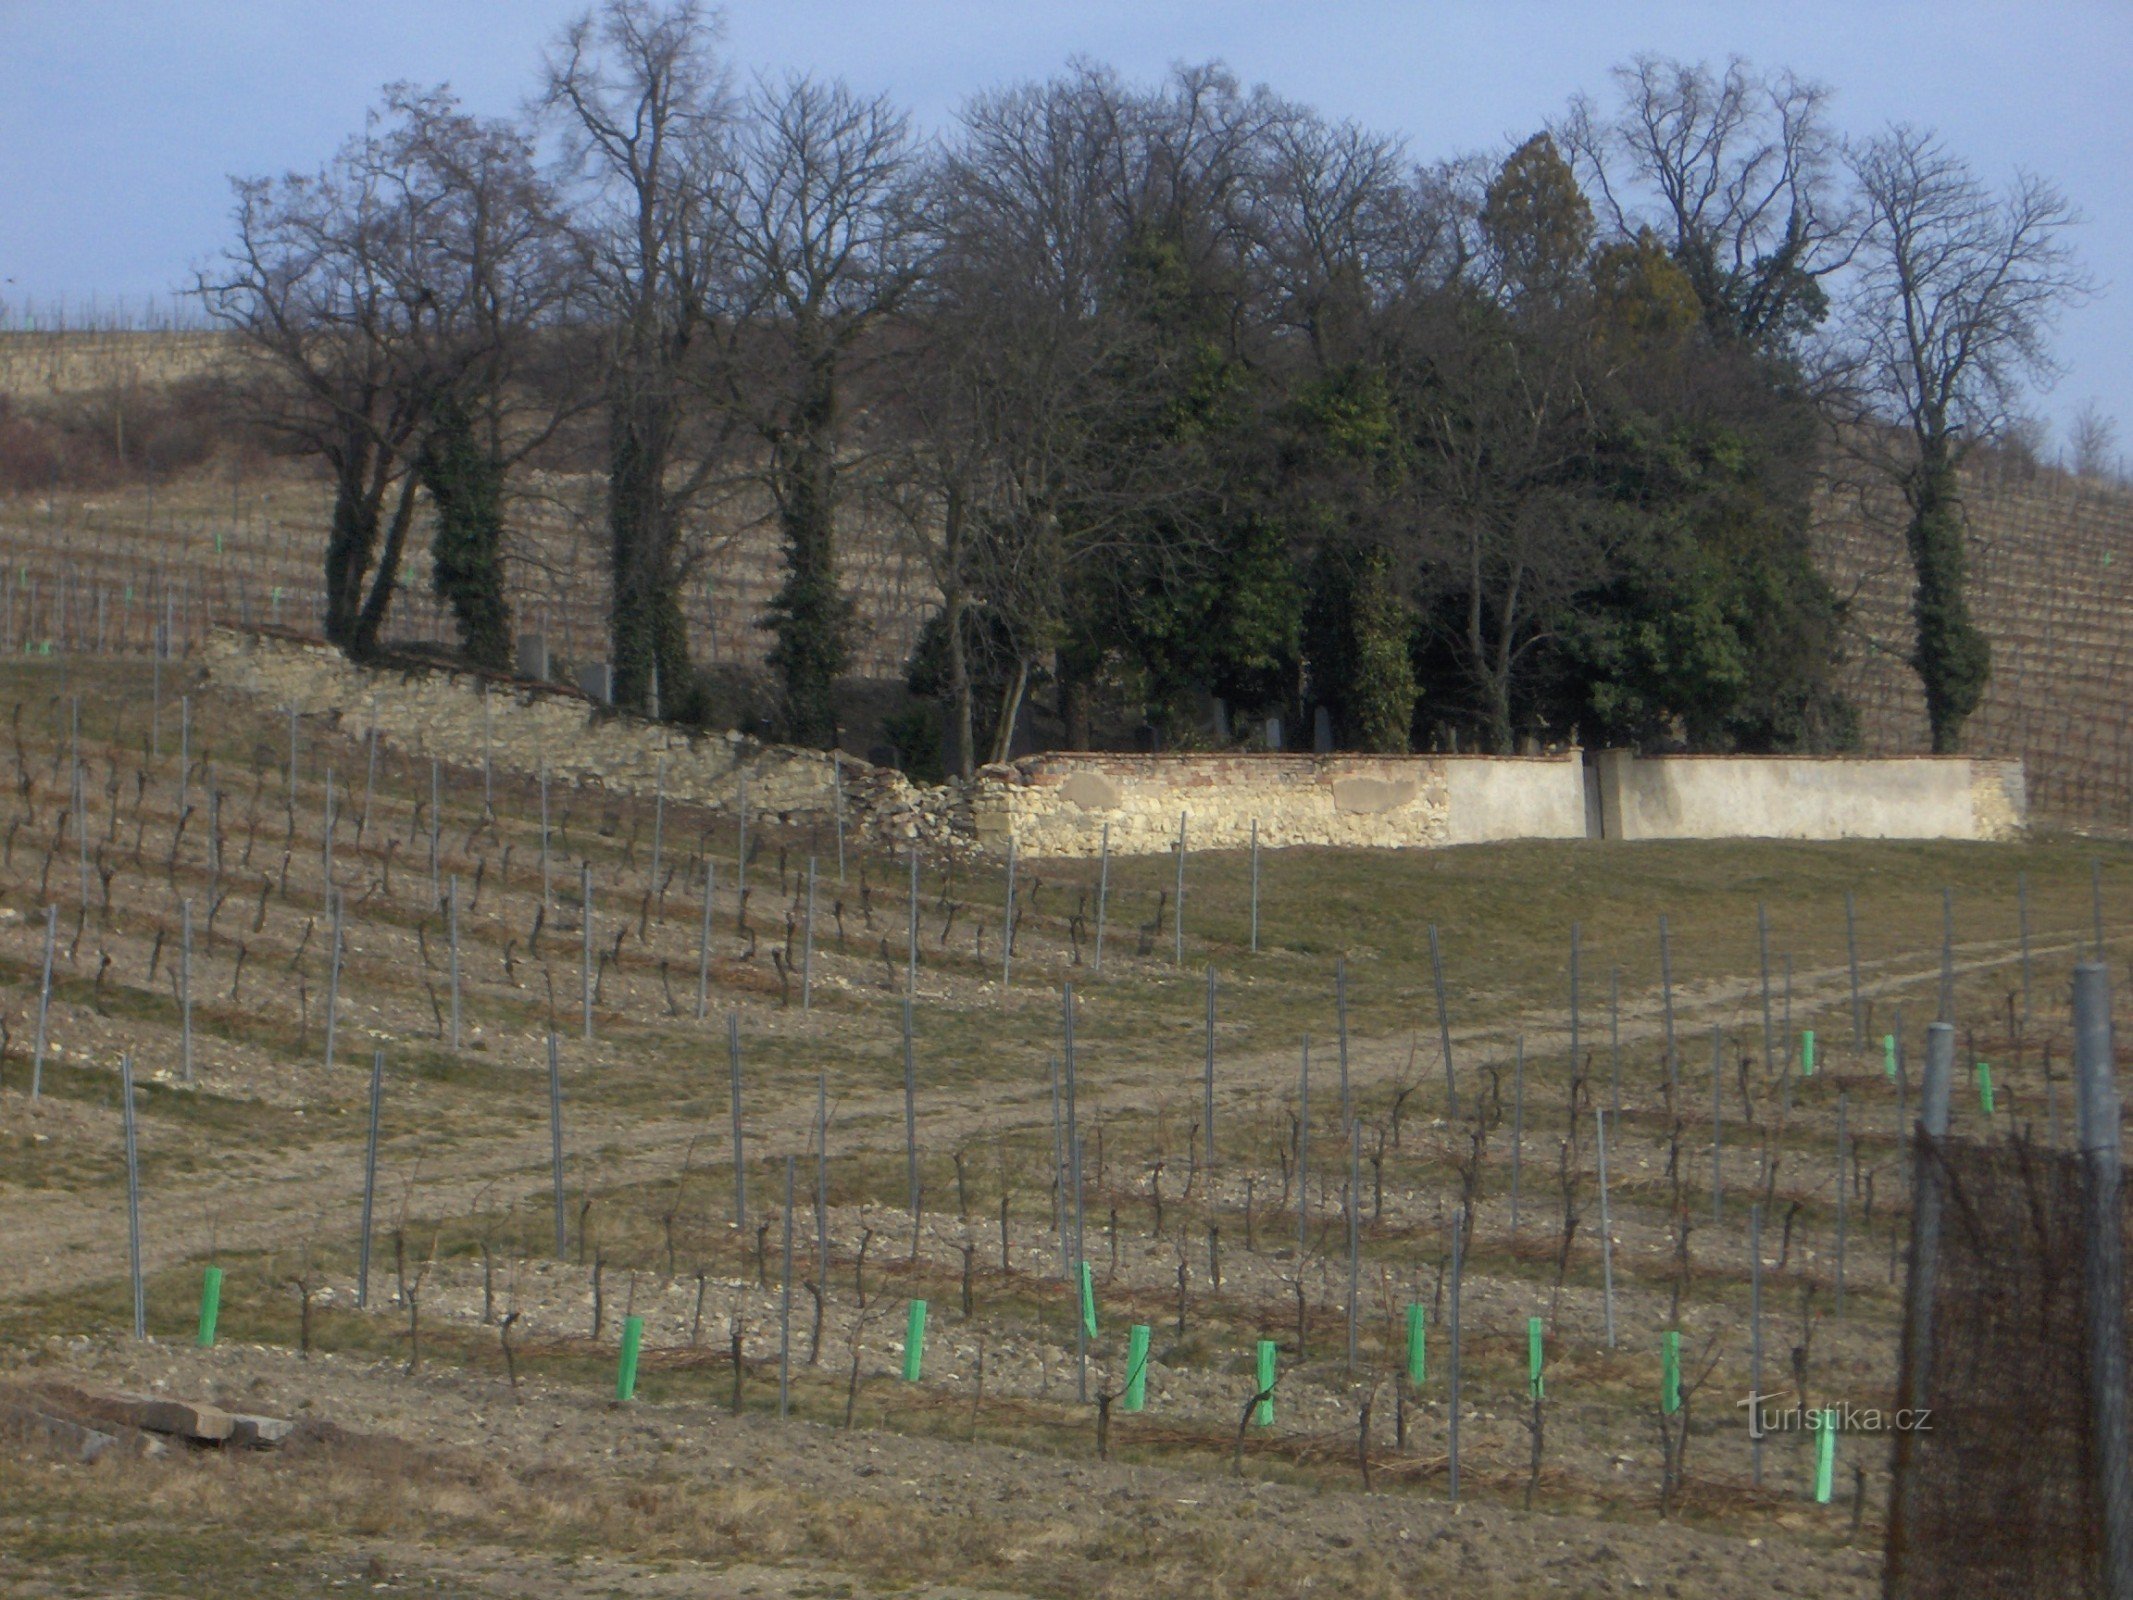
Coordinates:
1952 656
466 488
1380 693
810 617
646 631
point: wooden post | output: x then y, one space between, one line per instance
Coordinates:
1355 1195
1255 886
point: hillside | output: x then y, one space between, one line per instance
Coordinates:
237 538
2052 585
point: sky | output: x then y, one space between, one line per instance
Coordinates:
121 121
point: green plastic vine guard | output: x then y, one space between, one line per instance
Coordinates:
915 1342
1533 1358
1417 1343
1984 1087
626 1368
1137 1366
1269 1352
1888 1055
1807 1053
1088 1299
1670 1354
210 1305
1825 1456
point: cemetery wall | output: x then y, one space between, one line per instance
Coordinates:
1060 804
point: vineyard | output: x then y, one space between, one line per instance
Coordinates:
616 1193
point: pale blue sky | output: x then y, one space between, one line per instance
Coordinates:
120 120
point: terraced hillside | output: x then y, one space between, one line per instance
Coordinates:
2052 584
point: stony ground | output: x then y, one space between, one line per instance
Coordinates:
501 1463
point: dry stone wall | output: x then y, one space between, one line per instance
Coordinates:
454 715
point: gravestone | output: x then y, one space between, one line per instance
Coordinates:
533 656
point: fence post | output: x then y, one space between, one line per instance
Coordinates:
1926 1201
2103 1264
133 1203
1208 1113
740 1168
1851 954
1444 1025
1452 1440
44 1001
585 942
1103 892
370 1178
1607 1238
911 1183
555 1140
785 1307
1177 923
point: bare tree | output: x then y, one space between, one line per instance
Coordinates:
310 285
647 114
1957 291
819 204
1737 173
2092 443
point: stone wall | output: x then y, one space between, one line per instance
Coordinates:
1060 804
454 715
1793 797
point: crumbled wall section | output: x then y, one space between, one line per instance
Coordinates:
436 710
